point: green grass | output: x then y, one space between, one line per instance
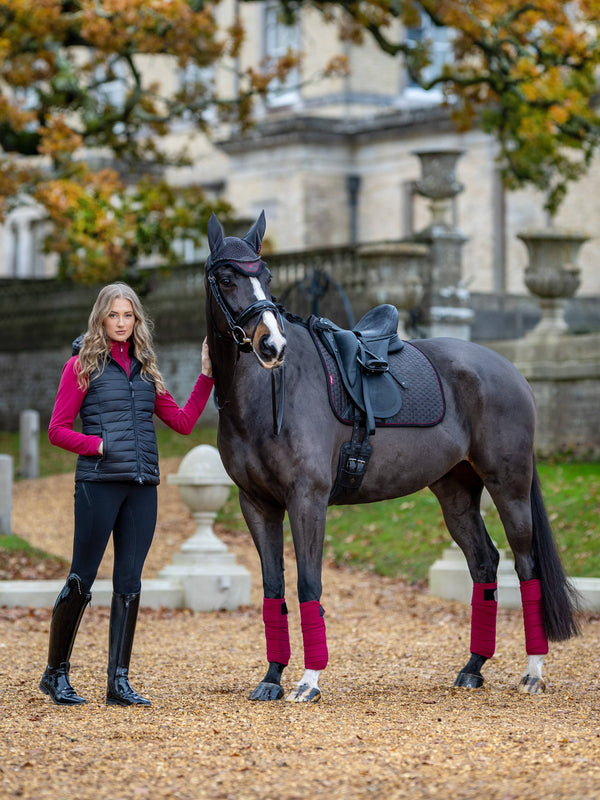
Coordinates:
53 460
404 537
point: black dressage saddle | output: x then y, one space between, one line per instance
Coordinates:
362 356
374 379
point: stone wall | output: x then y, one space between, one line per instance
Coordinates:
40 318
564 373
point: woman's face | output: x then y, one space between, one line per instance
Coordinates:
119 323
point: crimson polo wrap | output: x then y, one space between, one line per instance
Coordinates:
276 630
484 609
313 635
536 641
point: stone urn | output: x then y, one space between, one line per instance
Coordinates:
211 579
438 182
394 275
552 274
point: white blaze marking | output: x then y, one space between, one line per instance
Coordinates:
275 338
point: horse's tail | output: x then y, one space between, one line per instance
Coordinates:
560 599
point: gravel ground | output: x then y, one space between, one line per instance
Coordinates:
389 725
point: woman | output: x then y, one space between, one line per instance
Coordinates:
113 383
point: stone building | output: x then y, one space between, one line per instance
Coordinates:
332 161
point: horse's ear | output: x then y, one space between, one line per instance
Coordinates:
255 235
215 233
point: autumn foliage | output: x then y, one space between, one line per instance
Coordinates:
524 72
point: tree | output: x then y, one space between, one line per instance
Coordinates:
61 120
525 72
94 159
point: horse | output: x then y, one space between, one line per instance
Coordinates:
280 443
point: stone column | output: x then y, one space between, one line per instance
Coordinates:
6 483
445 307
29 432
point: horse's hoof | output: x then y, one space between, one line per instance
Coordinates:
304 694
468 681
531 685
267 691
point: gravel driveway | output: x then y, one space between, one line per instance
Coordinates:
390 725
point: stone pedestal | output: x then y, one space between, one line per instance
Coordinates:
445 307
450 579
209 576
394 272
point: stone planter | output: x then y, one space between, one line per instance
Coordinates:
438 182
552 274
394 273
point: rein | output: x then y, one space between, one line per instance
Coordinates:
244 344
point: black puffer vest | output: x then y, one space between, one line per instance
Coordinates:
119 408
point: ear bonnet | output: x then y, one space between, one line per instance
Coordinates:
241 254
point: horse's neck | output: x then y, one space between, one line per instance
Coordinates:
243 387
236 378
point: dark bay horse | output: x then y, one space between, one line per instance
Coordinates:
288 462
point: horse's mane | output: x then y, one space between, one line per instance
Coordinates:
291 317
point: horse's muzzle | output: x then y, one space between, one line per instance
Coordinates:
269 342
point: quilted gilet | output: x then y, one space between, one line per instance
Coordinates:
120 408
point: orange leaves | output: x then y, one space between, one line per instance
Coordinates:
58 139
149 26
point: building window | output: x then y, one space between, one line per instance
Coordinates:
23 235
279 39
440 53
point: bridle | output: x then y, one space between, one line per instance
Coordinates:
236 324
244 342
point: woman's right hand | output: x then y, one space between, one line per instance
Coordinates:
206 362
101 449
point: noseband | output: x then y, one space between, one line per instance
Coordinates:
236 325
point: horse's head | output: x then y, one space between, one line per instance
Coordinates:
237 279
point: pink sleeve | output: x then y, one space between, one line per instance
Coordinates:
66 408
183 419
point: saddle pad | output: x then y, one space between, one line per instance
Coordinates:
423 402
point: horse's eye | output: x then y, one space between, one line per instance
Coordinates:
225 281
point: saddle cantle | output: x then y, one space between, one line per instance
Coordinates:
371 369
362 358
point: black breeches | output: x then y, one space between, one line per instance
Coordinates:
128 510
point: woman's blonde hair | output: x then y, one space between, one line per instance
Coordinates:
95 348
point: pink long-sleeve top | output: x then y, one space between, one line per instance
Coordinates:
70 397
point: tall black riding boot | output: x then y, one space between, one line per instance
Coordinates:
123 616
66 616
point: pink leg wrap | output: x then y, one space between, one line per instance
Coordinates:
313 635
536 643
484 607
276 630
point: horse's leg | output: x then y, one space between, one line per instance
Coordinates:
266 527
546 595
307 519
514 508
459 494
